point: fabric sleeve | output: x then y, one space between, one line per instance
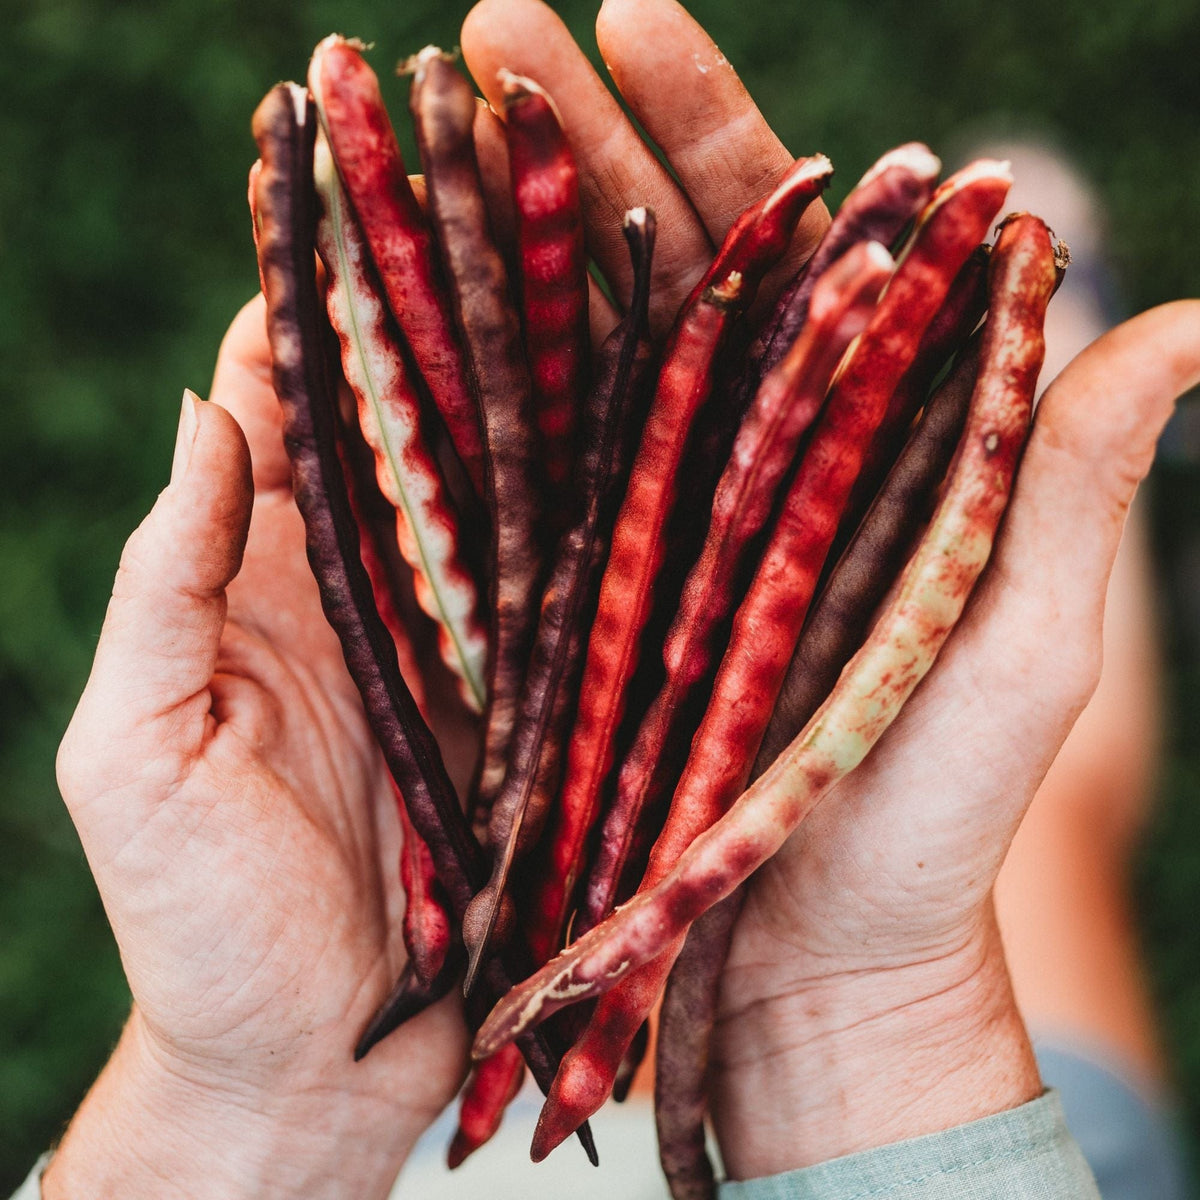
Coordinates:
31 1189
1023 1154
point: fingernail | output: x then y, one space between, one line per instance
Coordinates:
185 439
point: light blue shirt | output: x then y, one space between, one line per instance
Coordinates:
1023 1154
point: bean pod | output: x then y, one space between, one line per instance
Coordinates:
443 107
389 414
875 684
368 160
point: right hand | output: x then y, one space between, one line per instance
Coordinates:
236 814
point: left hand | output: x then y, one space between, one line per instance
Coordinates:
866 964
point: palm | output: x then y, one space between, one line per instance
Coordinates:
896 864
292 898
973 743
258 902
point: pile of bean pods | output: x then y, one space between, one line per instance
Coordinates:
685 586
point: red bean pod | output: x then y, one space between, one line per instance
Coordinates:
364 146
785 407
554 277
618 377
871 690
443 107
284 126
535 763
427 923
390 416
492 1086
961 311
685 382
877 209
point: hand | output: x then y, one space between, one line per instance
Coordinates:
866 965
236 814
722 150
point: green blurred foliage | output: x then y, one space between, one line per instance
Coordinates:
124 251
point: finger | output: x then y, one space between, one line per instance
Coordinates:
603 316
242 385
691 102
1093 440
146 703
617 171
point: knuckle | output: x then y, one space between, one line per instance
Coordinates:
136 557
69 766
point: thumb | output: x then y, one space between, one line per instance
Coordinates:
144 712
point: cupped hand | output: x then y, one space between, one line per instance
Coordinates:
866 991
239 823
866 955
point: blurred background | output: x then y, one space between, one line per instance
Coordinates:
125 251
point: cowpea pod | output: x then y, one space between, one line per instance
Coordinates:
356 122
389 414
554 277
618 376
443 107
960 312
870 692
685 1022
493 1085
